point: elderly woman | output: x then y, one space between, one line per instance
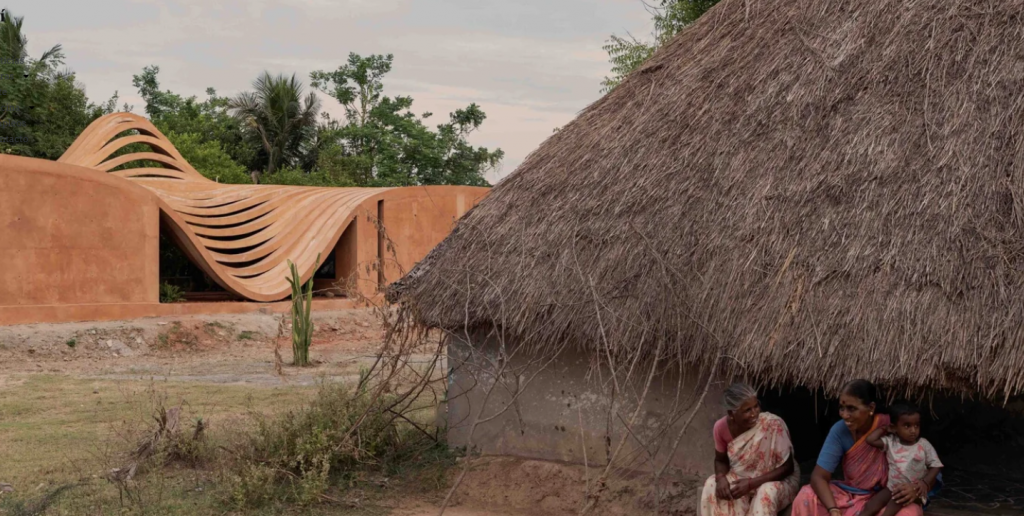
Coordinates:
865 469
755 473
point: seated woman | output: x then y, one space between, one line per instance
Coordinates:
755 473
865 468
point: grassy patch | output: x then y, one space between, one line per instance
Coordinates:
176 337
247 335
342 442
57 431
265 450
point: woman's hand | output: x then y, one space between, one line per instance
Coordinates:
741 487
905 494
722 491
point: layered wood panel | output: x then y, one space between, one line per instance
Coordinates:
242 235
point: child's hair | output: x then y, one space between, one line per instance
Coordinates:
902 408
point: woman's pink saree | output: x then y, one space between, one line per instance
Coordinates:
864 469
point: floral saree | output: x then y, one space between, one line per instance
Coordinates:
754 453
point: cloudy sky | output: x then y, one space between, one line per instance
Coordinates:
530 64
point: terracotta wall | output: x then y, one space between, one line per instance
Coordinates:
77 236
415 220
72 235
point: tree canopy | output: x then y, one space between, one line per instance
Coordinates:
275 133
628 53
383 142
44 107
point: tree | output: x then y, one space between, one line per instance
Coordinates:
276 112
670 17
208 158
383 143
208 120
43 109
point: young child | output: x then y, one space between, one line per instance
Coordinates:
911 458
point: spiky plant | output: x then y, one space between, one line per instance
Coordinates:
302 307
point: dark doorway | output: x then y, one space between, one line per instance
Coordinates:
337 276
980 443
180 278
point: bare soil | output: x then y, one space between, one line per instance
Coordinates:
239 351
44 361
214 349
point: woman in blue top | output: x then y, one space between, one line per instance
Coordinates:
865 469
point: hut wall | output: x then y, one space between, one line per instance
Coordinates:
562 412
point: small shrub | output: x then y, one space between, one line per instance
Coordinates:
170 293
176 337
247 335
71 343
298 456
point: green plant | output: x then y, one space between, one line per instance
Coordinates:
343 439
247 335
302 306
71 343
170 293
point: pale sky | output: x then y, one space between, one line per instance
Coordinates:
532 65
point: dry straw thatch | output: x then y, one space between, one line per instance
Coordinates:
819 189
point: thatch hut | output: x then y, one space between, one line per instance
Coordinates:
819 190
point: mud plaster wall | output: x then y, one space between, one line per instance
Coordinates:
71 235
561 412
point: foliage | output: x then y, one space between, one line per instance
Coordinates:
44 109
170 293
277 113
208 119
302 306
209 158
295 176
625 55
340 438
383 143
670 17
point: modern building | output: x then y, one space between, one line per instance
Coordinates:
80 238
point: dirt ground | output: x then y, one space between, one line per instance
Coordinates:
238 353
214 349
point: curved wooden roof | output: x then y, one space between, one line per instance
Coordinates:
241 235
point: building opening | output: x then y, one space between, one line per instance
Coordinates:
381 281
980 443
180 278
336 277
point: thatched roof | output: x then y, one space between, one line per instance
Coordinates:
820 189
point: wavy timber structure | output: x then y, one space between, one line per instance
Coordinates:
242 236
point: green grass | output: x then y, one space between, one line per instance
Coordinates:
61 431
56 431
247 335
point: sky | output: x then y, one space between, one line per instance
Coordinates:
531 65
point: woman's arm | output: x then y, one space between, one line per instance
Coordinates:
774 475
820 479
747 485
722 491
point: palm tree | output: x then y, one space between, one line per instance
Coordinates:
14 44
277 113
